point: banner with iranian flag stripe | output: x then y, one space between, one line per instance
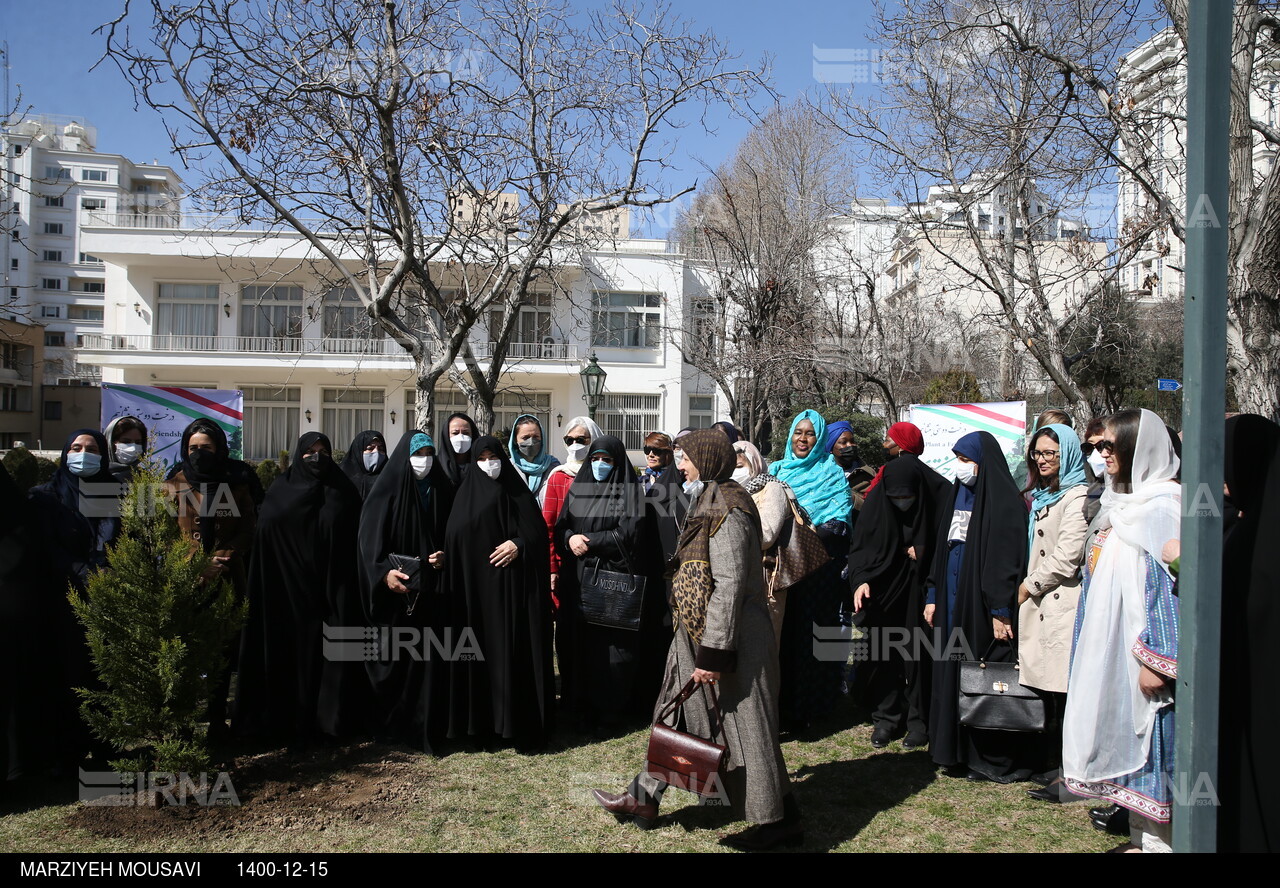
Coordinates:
167 410
945 424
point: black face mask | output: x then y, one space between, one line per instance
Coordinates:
205 462
316 463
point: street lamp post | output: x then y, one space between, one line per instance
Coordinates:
593 377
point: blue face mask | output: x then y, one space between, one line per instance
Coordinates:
601 469
83 464
693 488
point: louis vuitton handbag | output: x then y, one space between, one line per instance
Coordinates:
685 760
799 550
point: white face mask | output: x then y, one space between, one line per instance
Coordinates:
373 459
967 474
128 453
460 443
1098 463
577 452
491 467
741 474
421 465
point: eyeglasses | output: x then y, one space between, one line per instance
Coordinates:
1086 448
581 439
1104 447
1046 455
658 450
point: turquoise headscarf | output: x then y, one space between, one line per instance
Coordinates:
818 481
535 471
418 441
1070 473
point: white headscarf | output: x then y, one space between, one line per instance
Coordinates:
1108 720
570 466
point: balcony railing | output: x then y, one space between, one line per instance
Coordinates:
181 342
296 345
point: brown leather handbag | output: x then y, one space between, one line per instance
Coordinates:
799 549
681 759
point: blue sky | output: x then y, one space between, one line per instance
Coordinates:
52 49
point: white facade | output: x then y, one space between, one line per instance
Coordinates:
239 310
1153 87
54 180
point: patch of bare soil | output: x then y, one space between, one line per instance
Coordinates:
278 791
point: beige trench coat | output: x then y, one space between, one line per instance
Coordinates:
1047 619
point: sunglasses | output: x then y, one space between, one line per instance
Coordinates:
658 450
1104 447
1086 448
581 439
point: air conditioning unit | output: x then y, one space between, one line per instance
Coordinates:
549 348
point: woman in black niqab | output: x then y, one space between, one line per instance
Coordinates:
355 465
303 582
892 543
406 516
622 668
1249 723
973 582
506 693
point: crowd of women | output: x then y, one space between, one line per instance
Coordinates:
474 563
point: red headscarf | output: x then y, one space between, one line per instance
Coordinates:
907 436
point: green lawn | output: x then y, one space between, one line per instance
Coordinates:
379 798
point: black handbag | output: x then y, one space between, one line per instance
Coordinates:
611 598
685 760
993 697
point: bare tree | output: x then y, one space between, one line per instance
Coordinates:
761 224
438 153
995 129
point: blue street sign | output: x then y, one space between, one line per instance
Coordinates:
1167 385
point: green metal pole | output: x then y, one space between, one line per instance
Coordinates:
1195 817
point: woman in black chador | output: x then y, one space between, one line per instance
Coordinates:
972 597
893 541
497 569
43 656
603 525
84 484
364 461
302 579
405 516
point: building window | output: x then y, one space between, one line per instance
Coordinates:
346 324
53 228
51 283
270 420
273 316
630 417
84 312
86 259
15 178
187 317
15 235
623 320
93 175
93 287
51 311
350 410
57 173
702 327
13 263
53 410
93 203
51 201
532 328
701 411
52 255
15 398
55 340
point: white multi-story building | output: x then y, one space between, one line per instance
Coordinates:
1153 88
204 306
55 178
